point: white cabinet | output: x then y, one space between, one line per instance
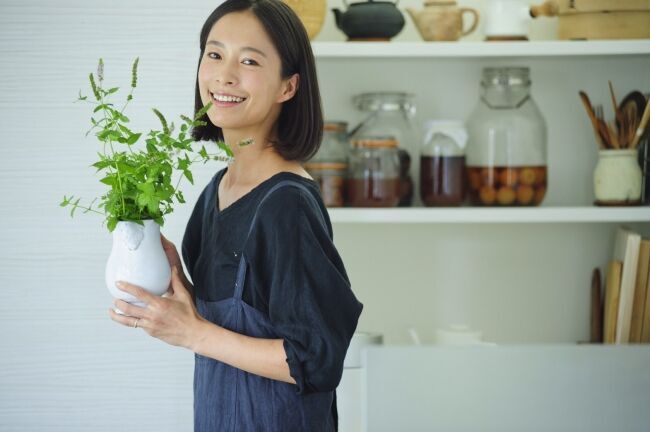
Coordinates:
522 275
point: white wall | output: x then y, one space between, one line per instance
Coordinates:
66 366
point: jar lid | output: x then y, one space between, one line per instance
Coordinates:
326 166
506 76
335 126
384 101
375 142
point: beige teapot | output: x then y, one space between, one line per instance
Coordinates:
442 20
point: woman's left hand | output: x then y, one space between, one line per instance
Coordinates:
172 319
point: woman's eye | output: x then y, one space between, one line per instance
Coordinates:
217 56
250 62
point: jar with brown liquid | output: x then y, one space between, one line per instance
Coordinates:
390 114
374 173
442 164
329 165
506 149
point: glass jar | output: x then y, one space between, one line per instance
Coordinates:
374 173
390 115
442 163
506 150
329 165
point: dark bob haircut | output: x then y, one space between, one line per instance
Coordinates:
300 123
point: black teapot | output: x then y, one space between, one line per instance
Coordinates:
370 20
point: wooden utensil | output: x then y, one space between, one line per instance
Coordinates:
596 307
604 130
642 125
617 113
637 98
592 116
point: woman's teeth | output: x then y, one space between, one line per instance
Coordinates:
220 98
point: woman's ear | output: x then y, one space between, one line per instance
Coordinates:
289 87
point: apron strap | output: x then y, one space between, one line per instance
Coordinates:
241 271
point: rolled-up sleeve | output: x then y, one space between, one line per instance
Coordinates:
311 303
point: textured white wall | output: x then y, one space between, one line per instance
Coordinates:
65 366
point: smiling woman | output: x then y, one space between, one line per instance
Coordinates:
259 44
271 312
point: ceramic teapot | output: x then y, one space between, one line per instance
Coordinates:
442 20
370 20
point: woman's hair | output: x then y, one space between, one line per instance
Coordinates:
300 124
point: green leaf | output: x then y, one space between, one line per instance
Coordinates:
188 174
133 138
112 90
109 180
223 146
112 223
180 197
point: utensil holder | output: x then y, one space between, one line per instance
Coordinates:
617 178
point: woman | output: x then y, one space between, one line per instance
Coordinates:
271 312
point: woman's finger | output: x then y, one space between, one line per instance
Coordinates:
127 321
131 310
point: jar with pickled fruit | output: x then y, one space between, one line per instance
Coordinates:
374 173
390 114
329 165
506 149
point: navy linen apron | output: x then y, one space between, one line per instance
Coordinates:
230 399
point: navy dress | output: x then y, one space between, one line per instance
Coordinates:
266 267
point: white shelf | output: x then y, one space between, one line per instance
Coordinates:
491 215
481 49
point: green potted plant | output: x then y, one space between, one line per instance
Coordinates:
141 186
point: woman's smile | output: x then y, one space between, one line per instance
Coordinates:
225 100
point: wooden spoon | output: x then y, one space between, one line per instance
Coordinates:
642 125
617 112
592 116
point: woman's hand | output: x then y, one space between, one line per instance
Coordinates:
174 261
172 319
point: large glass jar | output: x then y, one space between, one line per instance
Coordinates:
506 150
390 114
374 173
329 165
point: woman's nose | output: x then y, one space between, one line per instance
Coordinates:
226 74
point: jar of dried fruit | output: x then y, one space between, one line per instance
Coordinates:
329 165
506 149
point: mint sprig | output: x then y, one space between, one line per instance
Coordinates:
140 181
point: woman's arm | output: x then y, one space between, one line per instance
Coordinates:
264 357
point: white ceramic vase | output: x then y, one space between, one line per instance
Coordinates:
138 258
617 178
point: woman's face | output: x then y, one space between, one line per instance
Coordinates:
241 67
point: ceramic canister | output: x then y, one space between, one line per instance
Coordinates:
617 177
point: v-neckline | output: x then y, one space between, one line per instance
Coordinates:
248 194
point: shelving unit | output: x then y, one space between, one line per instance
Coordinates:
522 275
480 49
490 215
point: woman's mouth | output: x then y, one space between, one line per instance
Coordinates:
225 100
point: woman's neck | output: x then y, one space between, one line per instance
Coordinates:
252 162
